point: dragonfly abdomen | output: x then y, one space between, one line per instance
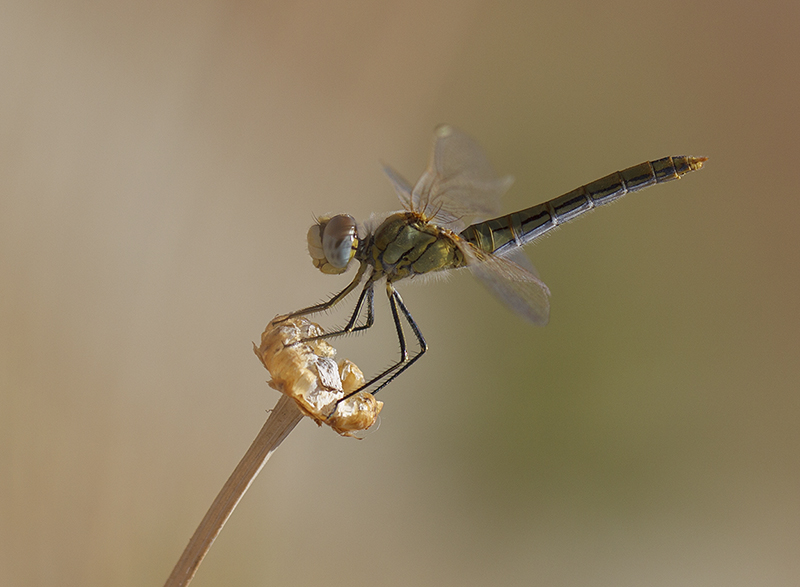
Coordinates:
500 234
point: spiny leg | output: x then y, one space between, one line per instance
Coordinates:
405 362
322 307
367 293
423 346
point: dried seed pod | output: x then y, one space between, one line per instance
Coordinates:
308 373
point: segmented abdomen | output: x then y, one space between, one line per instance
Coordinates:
499 234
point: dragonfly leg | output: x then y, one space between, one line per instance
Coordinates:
324 306
395 302
405 362
367 293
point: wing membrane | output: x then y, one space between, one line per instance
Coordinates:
459 186
401 186
515 286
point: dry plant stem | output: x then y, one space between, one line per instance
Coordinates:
283 418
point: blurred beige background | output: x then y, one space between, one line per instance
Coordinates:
160 164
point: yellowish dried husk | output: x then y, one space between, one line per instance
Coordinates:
307 372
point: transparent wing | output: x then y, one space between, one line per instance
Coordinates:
518 256
515 286
401 186
459 186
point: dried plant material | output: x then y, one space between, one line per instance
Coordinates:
308 373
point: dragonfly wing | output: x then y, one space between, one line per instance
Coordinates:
401 186
515 286
518 256
459 186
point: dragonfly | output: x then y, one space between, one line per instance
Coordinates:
451 219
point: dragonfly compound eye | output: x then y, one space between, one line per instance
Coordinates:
332 243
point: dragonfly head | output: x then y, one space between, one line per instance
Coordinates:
332 242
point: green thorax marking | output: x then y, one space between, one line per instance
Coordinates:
406 245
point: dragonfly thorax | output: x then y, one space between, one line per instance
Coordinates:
332 242
406 244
